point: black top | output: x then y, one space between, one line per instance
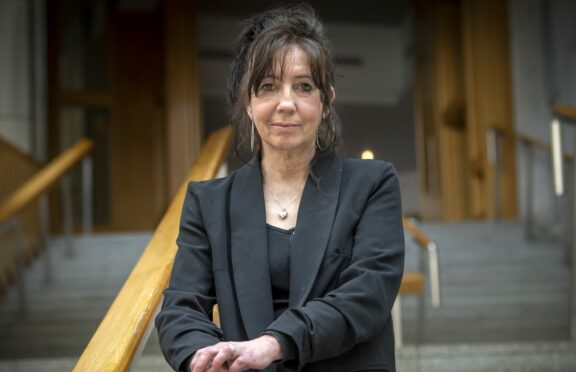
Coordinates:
279 247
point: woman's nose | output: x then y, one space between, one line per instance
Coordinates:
286 103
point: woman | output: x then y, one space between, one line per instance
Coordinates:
302 249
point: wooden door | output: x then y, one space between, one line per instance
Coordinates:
111 78
462 91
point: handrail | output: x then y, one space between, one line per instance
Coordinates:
540 145
118 336
433 261
565 111
44 179
423 240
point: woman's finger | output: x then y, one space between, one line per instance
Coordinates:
202 360
238 365
222 357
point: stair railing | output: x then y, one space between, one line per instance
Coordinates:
37 188
123 332
565 115
413 283
529 145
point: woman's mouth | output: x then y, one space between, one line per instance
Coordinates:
285 125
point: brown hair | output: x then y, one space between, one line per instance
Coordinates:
266 37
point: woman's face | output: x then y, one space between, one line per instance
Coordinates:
287 110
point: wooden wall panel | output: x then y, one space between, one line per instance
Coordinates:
462 90
439 106
137 133
488 103
184 129
449 101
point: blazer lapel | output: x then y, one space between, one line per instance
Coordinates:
249 249
313 228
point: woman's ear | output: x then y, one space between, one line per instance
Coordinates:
332 94
249 112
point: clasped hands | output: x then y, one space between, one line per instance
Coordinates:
237 356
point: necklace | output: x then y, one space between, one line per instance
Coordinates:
283 214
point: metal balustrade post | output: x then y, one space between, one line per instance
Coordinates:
558 167
529 225
21 259
67 215
87 195
497 176
397 322
45 227
434 272
494 157
420 328
15 223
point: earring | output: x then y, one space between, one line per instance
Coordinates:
252 137
332 137
318 142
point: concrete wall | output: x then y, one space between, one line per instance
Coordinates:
15 125
543 55
23 75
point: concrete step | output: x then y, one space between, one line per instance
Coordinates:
499 357
496 287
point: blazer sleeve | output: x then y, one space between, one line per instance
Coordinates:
184 323
361 303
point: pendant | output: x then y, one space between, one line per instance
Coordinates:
283 214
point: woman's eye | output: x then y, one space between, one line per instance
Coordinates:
305 87
267 87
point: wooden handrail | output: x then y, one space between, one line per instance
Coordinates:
540 145
118 336
412 283
418 235
565 111
44 179
530 141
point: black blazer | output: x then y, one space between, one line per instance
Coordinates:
346 266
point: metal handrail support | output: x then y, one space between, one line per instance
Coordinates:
87 195
434 272
558 168
66 204
432 250
494 143
433 269
44 212
15 223
529 224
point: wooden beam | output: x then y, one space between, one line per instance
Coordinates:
184 129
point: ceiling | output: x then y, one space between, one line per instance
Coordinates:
388 12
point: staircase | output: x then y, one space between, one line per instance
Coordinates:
505 304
